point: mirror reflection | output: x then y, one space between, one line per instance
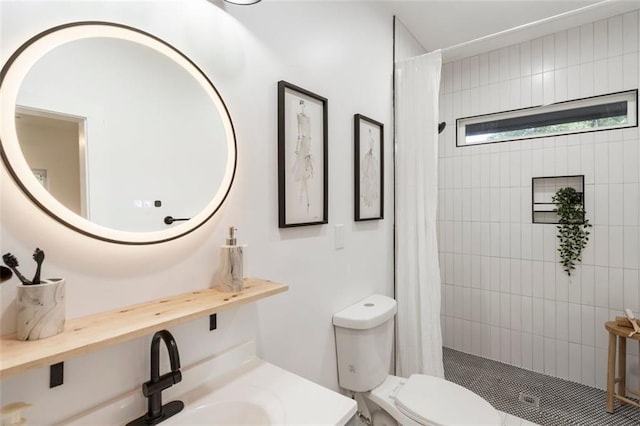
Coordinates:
121 134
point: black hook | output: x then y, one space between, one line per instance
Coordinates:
441 127
170 219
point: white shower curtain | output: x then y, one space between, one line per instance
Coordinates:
419 338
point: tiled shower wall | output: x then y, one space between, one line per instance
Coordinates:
505 296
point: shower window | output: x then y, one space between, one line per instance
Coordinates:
613 111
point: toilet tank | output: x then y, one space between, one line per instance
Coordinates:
364 342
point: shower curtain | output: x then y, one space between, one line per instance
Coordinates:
419 337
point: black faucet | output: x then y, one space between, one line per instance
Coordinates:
152 389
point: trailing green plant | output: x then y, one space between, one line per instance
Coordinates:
573 233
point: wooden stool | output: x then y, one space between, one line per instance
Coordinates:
622 334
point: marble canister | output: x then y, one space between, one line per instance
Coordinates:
41 311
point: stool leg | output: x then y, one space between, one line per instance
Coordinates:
611 373
622 366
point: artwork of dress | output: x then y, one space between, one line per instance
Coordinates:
368 168
302 157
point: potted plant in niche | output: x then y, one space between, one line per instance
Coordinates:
573 233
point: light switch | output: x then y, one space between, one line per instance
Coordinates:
339 229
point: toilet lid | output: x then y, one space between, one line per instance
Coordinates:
438 402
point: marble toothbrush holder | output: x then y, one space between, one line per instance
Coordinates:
40 309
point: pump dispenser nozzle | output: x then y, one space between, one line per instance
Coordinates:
231 241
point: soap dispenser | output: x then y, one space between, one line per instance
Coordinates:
230 274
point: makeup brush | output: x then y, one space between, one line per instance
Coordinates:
38 256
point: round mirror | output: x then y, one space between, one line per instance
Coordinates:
115 133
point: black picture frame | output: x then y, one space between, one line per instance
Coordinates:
303 169
368 169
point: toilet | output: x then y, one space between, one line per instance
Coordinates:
364 345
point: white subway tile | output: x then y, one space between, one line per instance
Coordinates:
550 243
516 348
631 247
538 317
575 365
467 301
474 71
600 39
601 76
515 305
573 160
574 283
515 246
526 314
587 161
486 340
457 76
467 336
514 97
538 354
561 82
464 74
575 323
601 286
573 46
548 84
537 279
586 43
601 244
588 325
458 337
549 318
615 74
631 297
601 204
630 71
483 69
504 64
537 93
616 288
561 160
630 32
586 79
505 276
536 56
573 82
514 61
485 309
548 52
550 356
527 350
588 365
601 154
526 278
505 345
494 316
549 158
562 359
494 66
562 283
561 50
495 343
562 321
601 335
588 285
616 204
616 246
476 338
631 159
615 35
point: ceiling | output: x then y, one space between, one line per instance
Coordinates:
440 24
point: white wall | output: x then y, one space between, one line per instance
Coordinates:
506 296
339 50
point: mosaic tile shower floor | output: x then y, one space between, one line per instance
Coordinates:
560 402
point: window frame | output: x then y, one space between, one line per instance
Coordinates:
630 96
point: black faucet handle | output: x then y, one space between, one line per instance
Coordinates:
161 383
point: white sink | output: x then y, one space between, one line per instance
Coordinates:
233 388
233 405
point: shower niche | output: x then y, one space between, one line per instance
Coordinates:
542 191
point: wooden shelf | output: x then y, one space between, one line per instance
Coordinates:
99 331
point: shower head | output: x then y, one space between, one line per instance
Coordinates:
441 127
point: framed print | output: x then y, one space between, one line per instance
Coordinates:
302 157
368 168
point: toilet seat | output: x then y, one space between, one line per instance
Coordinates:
429 400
